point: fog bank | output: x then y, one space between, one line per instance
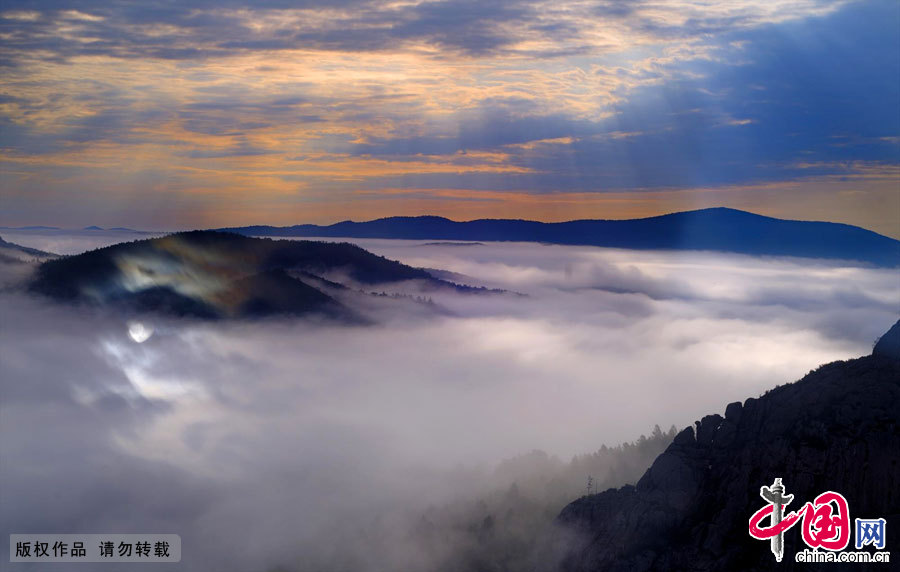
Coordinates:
312 446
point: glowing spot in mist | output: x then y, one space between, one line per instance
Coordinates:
139 332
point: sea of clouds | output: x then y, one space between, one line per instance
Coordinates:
305 444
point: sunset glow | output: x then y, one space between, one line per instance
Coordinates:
223 113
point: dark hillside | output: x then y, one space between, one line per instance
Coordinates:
212 274
836 429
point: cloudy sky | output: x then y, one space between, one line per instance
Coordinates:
171 115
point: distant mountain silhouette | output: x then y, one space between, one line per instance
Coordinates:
718 229
209 274
836 429
111 229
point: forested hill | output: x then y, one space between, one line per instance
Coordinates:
211 274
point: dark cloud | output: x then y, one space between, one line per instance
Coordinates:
470 26
205 29
798 99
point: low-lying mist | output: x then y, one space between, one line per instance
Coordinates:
314 446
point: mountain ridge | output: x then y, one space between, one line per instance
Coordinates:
837 428
12 252
716 229
211 274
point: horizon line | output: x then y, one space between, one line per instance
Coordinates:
121 228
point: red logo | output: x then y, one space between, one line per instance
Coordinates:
826 520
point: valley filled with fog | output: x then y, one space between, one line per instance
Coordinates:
310 445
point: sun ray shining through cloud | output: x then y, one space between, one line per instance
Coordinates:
214 114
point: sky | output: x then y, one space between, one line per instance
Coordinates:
174 115
305 445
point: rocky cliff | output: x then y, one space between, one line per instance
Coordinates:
836 429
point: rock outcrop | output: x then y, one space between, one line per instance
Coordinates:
889 344
836 429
